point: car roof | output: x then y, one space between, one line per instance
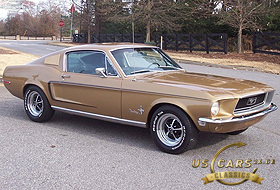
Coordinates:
109 46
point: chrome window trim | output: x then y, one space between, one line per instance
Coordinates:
64 64
101 117
132 76
123 74
113 65
126 59
133 46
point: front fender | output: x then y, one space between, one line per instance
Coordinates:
194 108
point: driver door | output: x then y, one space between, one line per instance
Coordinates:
82 89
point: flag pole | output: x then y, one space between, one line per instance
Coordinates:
71 26
72 10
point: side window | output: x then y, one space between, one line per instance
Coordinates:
87 61
110 71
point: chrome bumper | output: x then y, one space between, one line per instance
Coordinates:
203 121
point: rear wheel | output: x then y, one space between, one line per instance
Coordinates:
172 130
36 105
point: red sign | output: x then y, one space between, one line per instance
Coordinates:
72 8
61 23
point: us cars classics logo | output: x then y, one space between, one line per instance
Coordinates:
226 175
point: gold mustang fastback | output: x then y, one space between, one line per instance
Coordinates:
138 85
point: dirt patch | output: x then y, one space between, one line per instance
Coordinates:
261 62
246 56
7 51
64 44
10 57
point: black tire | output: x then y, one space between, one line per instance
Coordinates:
236 132
36 105
181 135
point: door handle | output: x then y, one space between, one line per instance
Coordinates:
65 76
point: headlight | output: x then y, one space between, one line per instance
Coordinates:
215 108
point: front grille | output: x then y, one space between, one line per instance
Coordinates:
249 103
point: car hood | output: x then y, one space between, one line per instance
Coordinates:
214 85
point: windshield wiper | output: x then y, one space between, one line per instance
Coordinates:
141 71
168 67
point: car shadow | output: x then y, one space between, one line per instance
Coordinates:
207 139
111 132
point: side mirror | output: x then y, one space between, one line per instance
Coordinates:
101 72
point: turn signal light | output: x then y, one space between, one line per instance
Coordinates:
6 82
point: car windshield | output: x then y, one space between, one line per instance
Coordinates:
142 60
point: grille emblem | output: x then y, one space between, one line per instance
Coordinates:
251 101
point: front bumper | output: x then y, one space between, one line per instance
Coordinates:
236 123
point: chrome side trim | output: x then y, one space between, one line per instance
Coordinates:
64 63
101 117
86 85
203 121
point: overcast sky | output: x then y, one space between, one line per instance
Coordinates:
3 12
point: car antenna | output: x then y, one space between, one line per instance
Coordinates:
132 28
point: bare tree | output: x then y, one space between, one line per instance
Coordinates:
14 25
2 27
86 14
111 10
31 24
242 15
160 14
36 20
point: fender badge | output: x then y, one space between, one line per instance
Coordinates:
139 111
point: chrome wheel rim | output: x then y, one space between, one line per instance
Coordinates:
35 104
170 129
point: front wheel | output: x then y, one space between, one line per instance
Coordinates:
36 105
172 130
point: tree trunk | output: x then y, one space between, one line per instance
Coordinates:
148 27
89 34
239 43
148 36
88 20
97 19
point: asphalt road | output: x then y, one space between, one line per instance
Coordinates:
35 47
72 152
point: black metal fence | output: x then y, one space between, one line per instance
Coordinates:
18 37
268 43
101 38
193 42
